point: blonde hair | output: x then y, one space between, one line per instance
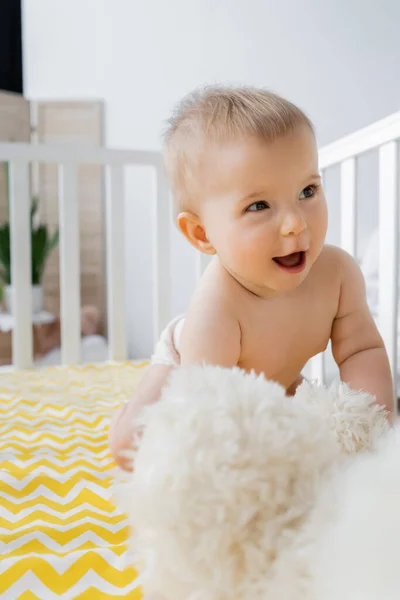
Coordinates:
221 114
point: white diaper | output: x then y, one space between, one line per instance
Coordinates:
167 348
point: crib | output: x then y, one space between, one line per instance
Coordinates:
381 136
75 402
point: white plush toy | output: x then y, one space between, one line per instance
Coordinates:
228 497
357 554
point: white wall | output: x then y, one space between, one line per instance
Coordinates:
338 60
61 43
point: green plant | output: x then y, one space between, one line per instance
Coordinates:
42 243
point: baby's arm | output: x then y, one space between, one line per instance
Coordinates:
211 335
122 424
357 346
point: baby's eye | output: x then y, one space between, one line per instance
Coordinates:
256 206
308 192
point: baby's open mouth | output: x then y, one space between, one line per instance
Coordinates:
290 261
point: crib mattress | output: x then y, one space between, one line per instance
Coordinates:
61 536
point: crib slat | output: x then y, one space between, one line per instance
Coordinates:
161 254
348 225
115 229
388 250
21 268
317 368
69 264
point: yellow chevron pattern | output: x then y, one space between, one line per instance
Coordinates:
60 534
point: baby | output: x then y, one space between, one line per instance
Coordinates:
243 168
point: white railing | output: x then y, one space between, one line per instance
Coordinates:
68 158
382 136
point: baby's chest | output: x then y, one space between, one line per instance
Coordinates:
286 336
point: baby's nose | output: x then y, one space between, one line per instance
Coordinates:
293 223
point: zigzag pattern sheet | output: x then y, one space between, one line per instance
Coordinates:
61 536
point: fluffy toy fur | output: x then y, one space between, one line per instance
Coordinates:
223 501
357 553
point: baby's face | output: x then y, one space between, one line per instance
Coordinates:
264 211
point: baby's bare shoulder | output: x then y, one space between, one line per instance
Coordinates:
333 256
211 332
214 293
342 270
334 264
339 262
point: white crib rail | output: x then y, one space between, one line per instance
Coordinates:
388 249
382 136
69 263
161 254
19 156
348 207
21 267
115 261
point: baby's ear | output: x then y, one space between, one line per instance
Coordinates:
190 225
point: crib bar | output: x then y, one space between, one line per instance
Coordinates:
21 268
69 263
388 249
161 255
373 136
348 225
115 242
317 368
75 154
